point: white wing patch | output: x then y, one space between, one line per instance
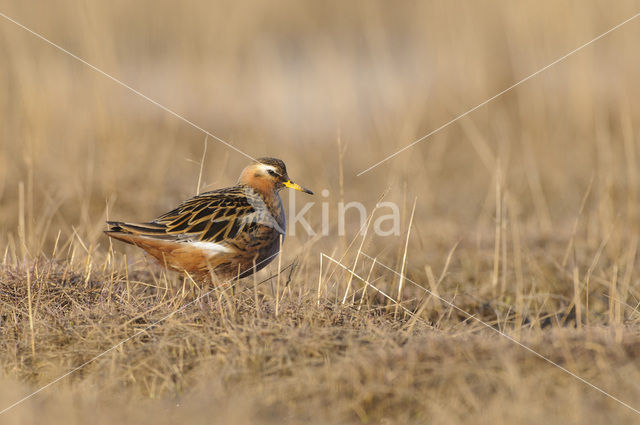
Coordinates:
211 248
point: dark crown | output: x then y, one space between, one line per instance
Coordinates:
275 162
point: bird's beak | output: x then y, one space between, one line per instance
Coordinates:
296 186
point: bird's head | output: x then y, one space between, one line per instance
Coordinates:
268 175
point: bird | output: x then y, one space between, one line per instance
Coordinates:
224 234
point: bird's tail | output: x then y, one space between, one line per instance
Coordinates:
128 232
168 250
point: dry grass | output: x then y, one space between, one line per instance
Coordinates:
526 214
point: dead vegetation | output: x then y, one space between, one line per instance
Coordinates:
520 221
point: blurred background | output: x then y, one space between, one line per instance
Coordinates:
297 80
538 190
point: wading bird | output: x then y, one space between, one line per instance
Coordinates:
225 233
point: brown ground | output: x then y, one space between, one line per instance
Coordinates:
526 214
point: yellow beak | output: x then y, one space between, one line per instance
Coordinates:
296 186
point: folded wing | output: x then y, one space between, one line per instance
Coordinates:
210 217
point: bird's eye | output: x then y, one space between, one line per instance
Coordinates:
273 173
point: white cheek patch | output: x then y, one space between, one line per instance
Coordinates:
211 248
265 168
